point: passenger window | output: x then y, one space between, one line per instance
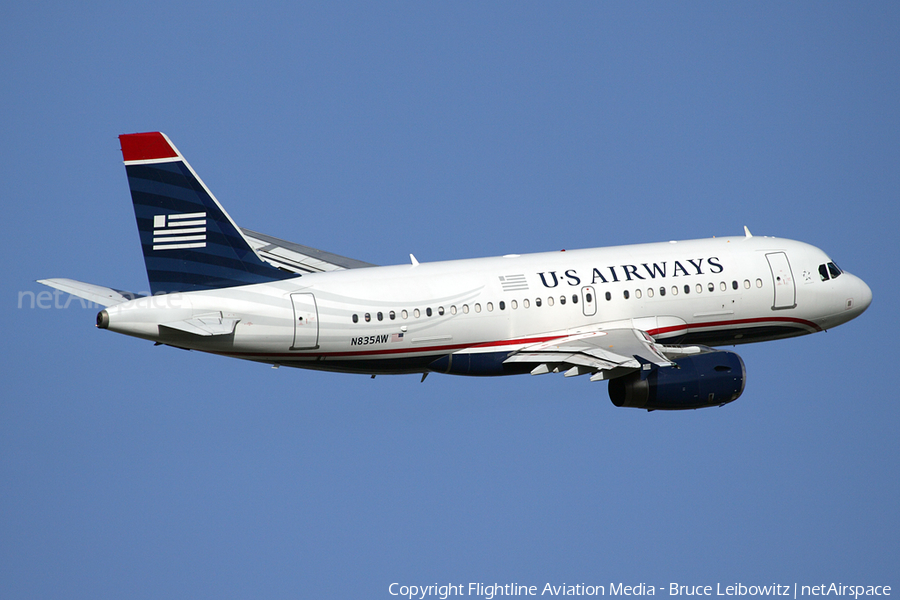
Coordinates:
674 290
759 283
722 286
441 310
637 293
649 292
416 313
404 314
699 288
428 312
574 299
380 316
662 291
687 289
537 302
608 296
589 297
625 293
734 285
514 305
465 309
502 305
550 301
746 284
392 315
356 318
490 307
368 317
477 307
712 286
562 299
452 309
526 303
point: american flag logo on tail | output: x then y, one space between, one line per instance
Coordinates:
176 232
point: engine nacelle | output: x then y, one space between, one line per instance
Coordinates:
707 379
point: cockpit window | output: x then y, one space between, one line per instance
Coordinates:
831 270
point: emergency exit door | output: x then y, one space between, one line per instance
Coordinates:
588 301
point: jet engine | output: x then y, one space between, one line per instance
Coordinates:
709 379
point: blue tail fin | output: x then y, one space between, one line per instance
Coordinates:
189 241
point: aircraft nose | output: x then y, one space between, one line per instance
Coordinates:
865 296
861 298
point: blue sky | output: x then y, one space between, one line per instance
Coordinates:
447 130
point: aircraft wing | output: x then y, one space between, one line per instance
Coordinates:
297 258
604 354
97 294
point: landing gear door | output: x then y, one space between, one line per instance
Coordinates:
785 292
306 322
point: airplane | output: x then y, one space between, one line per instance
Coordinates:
645 317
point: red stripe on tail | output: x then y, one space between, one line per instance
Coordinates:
146 146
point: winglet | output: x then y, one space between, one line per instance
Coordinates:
747 232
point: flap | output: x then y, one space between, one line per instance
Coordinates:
607 353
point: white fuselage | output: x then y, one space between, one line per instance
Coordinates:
400 319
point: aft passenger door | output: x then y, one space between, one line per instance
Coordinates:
785 292
306 322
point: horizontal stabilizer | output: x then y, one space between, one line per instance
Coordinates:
97 294
296 257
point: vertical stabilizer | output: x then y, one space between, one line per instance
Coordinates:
189 241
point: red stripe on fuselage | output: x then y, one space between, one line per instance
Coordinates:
514 342
391 351
727 324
